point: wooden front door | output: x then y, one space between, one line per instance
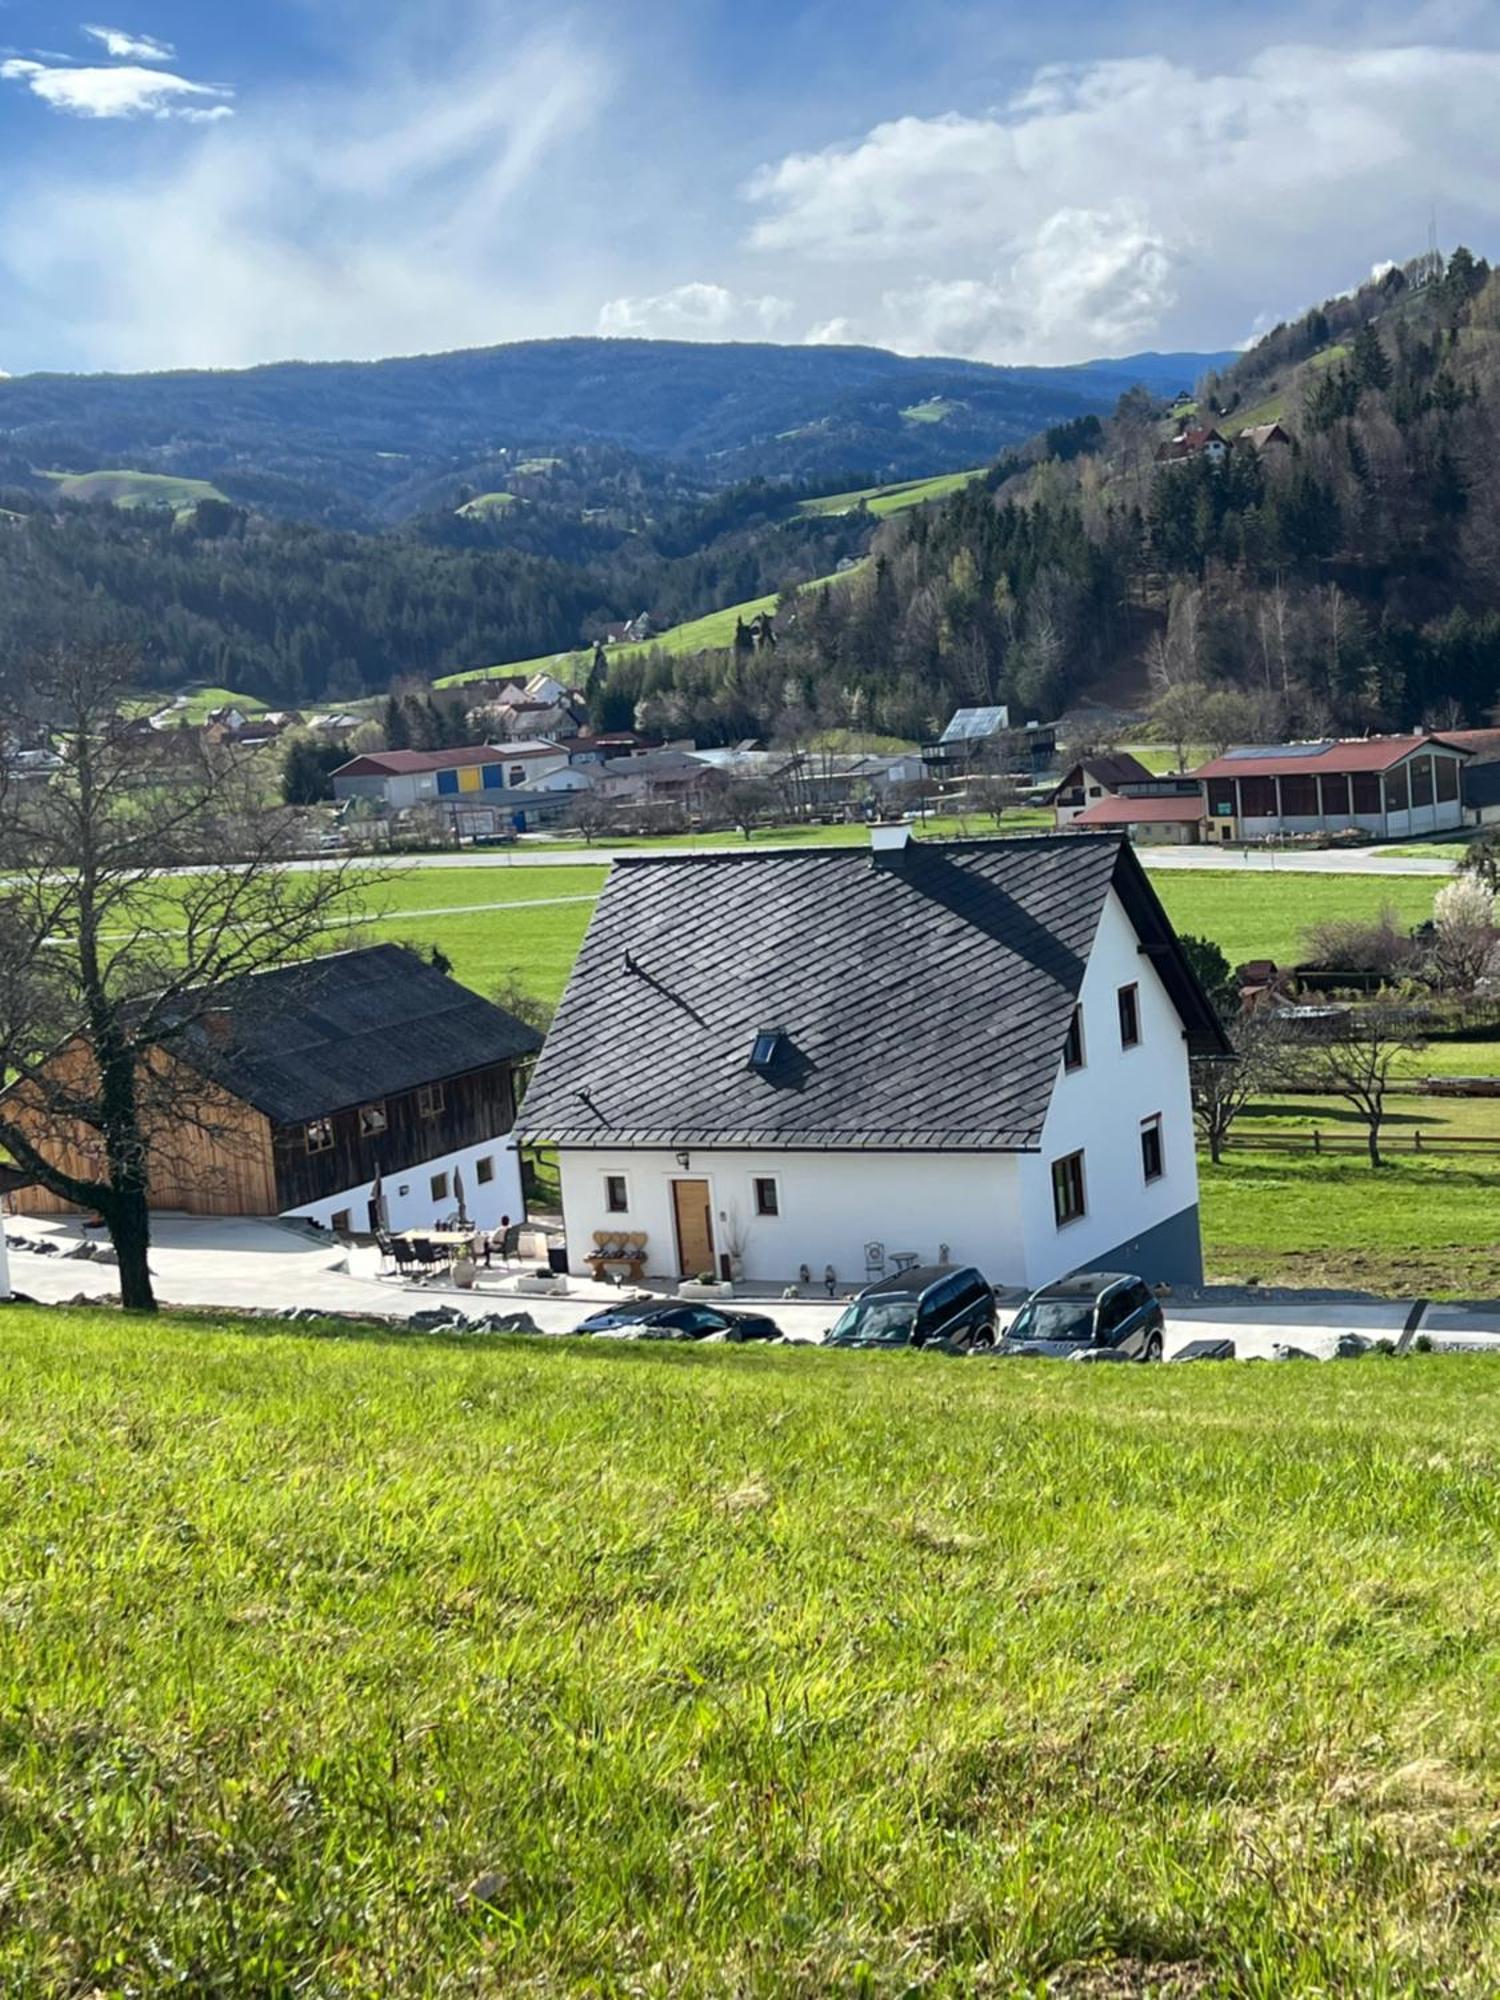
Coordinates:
695 1228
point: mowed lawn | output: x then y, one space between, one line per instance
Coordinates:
354 1665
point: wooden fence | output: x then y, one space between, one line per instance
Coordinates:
1392 1140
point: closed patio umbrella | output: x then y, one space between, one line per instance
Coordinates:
379 1220
458 1196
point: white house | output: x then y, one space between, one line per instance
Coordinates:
973 1051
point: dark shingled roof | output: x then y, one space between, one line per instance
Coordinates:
922 999
304 1041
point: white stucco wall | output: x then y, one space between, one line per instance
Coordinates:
1098 1110
832 1205
415 1208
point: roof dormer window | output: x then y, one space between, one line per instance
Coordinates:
766 1048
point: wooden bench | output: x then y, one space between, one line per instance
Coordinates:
614 1250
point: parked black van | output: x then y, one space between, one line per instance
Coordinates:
936 1305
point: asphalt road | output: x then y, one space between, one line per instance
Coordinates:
1252 861
246 1265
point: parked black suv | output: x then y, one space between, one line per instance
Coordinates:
1097 1312
936 1305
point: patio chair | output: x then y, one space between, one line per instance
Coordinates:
405 1256
430 1256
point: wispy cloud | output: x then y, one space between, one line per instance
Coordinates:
125 47
418 205
125 92
695 311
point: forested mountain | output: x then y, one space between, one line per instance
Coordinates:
359 443
1340 572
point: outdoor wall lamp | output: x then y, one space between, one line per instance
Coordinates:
684 1160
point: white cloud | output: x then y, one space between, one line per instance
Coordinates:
125 47
408 211
695 312
1108 202
836 332
126 92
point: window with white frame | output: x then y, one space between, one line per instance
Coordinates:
320 1135
372 1120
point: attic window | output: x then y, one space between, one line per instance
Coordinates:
766 1048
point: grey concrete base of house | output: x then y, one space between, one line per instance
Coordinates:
1169 1254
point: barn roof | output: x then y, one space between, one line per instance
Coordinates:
915 1001
306 1040
1297 760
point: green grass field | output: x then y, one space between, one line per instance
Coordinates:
1263 914
934 410
200 703
698 635
883 500
358 1665
134 489
485 505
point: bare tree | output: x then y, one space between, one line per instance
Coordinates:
137 882
1354 1059
1222 1087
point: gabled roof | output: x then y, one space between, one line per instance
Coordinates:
306 1040
1112 768
971 725
1143 809
404 763
922 1000
1300 760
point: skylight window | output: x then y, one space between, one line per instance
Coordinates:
765 1049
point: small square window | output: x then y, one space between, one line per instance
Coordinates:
1130 1017
319 1135
616 1194
767 1195
484 1171
1073 1046
1067 1188
342 1223
439 1187
371 1120
1153 1161
430 1100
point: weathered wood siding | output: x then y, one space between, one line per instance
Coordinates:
221 1165
476 1107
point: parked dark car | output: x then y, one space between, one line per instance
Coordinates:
664 1320
1094 1316
944 1306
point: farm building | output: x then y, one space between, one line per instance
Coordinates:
308 1081
1097 776
1389 786
973 1052
398 779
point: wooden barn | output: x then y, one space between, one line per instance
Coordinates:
308 1081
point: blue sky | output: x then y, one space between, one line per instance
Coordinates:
214 185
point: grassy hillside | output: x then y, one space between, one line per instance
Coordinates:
883 500
402 1665
484 506
697 635
133 489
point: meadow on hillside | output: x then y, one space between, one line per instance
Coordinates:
354 1663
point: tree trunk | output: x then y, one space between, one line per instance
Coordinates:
1216 1147
130 1233
1374 1142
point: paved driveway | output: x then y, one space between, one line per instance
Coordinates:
250 1265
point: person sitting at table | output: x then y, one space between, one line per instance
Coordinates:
500 1239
